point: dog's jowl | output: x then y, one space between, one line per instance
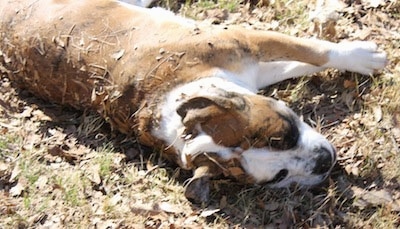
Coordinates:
180 86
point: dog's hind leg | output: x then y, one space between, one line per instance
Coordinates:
356 56
277 57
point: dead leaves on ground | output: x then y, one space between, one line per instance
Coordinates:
376 197
70 182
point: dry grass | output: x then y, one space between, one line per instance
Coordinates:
63 168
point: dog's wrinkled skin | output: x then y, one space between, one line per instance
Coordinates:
179 86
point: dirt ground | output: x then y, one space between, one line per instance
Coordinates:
62 168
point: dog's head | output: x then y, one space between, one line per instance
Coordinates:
265 138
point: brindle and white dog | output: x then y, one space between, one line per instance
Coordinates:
180 86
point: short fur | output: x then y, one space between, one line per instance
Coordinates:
180 86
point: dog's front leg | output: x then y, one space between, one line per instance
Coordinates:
302 56
276 71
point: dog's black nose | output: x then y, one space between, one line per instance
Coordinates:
324 160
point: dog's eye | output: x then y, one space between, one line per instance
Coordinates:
284 140
289 137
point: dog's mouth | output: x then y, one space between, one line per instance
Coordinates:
208 165
281 175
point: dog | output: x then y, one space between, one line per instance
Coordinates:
180 86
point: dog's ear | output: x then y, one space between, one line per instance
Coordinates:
240 121
219 116
209 102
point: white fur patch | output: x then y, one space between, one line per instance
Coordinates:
273 72
141 3
201 144
263 163
356 56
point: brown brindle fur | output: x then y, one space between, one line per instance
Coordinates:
232 120
102 56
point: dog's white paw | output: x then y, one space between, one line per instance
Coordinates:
357 56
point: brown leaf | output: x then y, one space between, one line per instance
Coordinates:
364 34
377 113
395 205
348 98
41 182
168 208
55 151
223 202
373 3
7 204
150 166
94 174
26 113
355 171
149 212
272 206
31 141
348 168
116 199
349 84
105 224
57 136
16 171
396 134
366 198
4 168
38 115
17 189
378 197
69 156
190 220
236 171
208 212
